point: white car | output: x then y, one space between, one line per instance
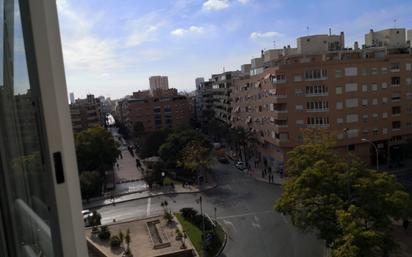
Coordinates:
240 165
86 213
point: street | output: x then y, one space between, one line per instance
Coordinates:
245 210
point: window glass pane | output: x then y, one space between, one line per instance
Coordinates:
25 181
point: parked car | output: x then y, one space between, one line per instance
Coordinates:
223 160
240 165
86 213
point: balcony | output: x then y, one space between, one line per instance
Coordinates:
317 126
280 98
318 110
317 94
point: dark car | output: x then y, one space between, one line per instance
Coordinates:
223 160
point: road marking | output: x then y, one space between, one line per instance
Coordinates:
230 224
284 218
245 214
256 223
149 202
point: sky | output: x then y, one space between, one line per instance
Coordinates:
112 47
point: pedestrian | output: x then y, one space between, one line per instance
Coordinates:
121 155
117 164
405 224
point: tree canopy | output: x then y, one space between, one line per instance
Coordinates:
138 129
171 151
346 204
195 157
152 143
96 149
244 142
90 184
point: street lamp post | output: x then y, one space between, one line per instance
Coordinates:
163 178
376 149
203 225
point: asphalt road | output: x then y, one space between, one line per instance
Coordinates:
244 208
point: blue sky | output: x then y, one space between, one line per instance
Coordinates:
111 47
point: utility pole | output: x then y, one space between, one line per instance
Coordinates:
203 226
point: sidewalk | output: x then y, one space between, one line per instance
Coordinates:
256 173
166 190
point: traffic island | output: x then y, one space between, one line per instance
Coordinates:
215 236
155 236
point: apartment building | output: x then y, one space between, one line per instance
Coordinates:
86 113
355 94
204 103
389 38
166 109
158 83
222 85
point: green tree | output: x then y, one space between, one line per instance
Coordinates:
216 129
171 151
346 204
195 157
138 129
123 130
96 149
244 141
152 143
127 239
90 184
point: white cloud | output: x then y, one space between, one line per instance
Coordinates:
192 29
243 1
144 29
215 5
82 49
264 35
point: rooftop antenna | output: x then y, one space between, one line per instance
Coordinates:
394 23
274 44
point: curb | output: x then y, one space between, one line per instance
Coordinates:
261 180
224 242
161 194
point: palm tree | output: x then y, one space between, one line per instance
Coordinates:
128 240
121 237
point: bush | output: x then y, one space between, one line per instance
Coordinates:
197 221
179 234
188 213
115 241
104 233
168 216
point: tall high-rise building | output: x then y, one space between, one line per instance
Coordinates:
158 83
198 82
40 204
72 98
